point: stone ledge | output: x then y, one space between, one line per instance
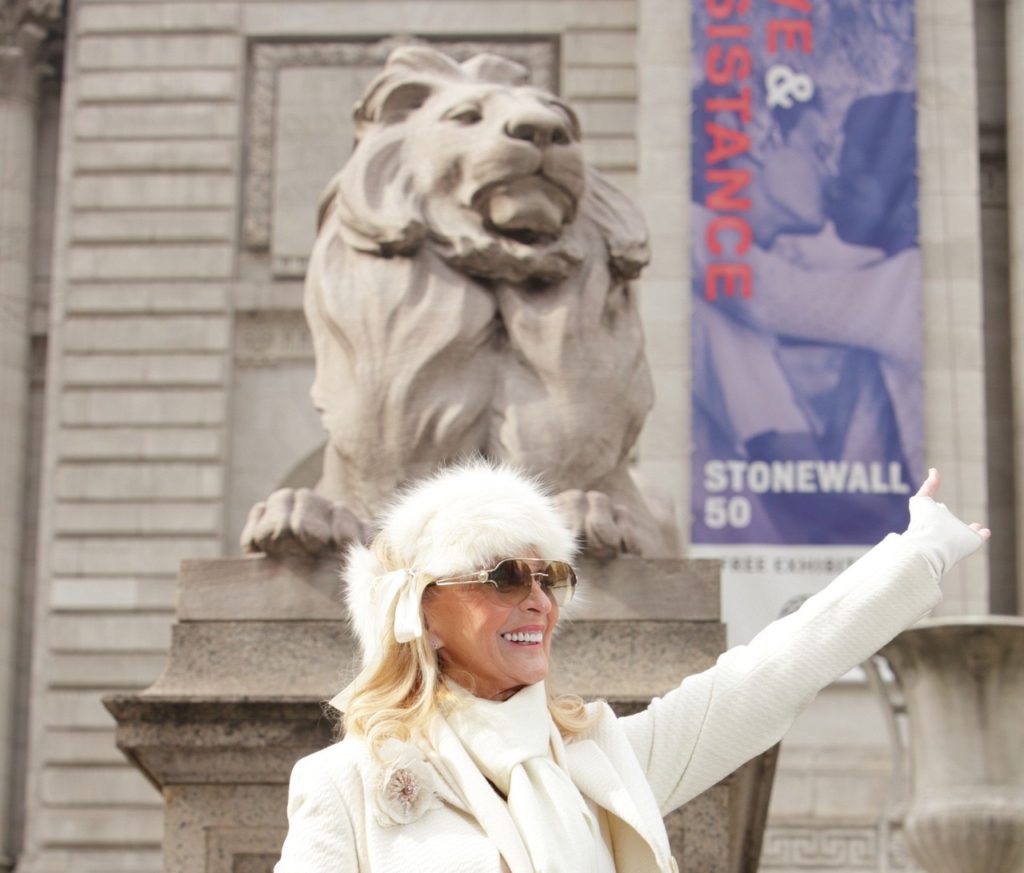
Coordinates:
178 740
190 740
599 658
258 588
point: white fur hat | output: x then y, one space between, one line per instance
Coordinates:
461 519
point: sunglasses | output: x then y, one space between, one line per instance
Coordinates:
511 581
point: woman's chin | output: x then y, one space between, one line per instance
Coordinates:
529 668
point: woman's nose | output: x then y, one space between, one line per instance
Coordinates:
537 600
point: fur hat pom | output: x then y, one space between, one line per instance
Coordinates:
366 615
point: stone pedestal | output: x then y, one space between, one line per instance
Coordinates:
963 680
260 645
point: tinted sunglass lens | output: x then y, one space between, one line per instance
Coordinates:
561 581
511 578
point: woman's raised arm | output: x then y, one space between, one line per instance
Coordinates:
716 720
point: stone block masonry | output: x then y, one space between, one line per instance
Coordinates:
155 154
140 373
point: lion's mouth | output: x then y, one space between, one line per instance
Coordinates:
526 237
531 210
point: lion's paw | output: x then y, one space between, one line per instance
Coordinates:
608 529
299 523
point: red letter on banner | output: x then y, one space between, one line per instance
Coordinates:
724 8
740 105
723 69
730 275
790 29
728 222
726 142
723 199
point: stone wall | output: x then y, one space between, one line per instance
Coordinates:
186 128
990 42
663 132
954 375
178 367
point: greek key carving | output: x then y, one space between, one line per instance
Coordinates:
835 848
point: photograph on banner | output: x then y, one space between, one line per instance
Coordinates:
806 326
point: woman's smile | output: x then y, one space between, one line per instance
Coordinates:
528 635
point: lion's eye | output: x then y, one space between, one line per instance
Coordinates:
465 115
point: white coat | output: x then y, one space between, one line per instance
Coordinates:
637 768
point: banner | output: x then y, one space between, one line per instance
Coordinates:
806 328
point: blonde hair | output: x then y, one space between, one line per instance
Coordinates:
397 693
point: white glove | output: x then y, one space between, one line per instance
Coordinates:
942 538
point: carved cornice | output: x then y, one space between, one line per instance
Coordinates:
46 14
31 43
267 59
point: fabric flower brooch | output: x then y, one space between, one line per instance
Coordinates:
405 790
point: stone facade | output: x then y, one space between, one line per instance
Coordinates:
191 143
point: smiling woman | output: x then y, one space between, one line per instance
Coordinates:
496 634
463 549
456 757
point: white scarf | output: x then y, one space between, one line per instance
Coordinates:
514 743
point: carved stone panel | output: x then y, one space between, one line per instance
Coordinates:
312 137
299 129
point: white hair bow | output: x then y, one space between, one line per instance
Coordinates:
402 584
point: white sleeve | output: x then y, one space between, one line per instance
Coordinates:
321 835
716 720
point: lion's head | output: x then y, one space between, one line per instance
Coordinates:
472 160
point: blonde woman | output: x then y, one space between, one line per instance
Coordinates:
456 758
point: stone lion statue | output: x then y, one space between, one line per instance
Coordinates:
469 294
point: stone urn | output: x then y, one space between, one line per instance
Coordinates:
963 683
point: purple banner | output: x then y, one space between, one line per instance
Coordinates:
806 329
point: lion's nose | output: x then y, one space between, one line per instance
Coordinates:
539 126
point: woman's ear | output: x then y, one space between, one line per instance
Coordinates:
433 640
